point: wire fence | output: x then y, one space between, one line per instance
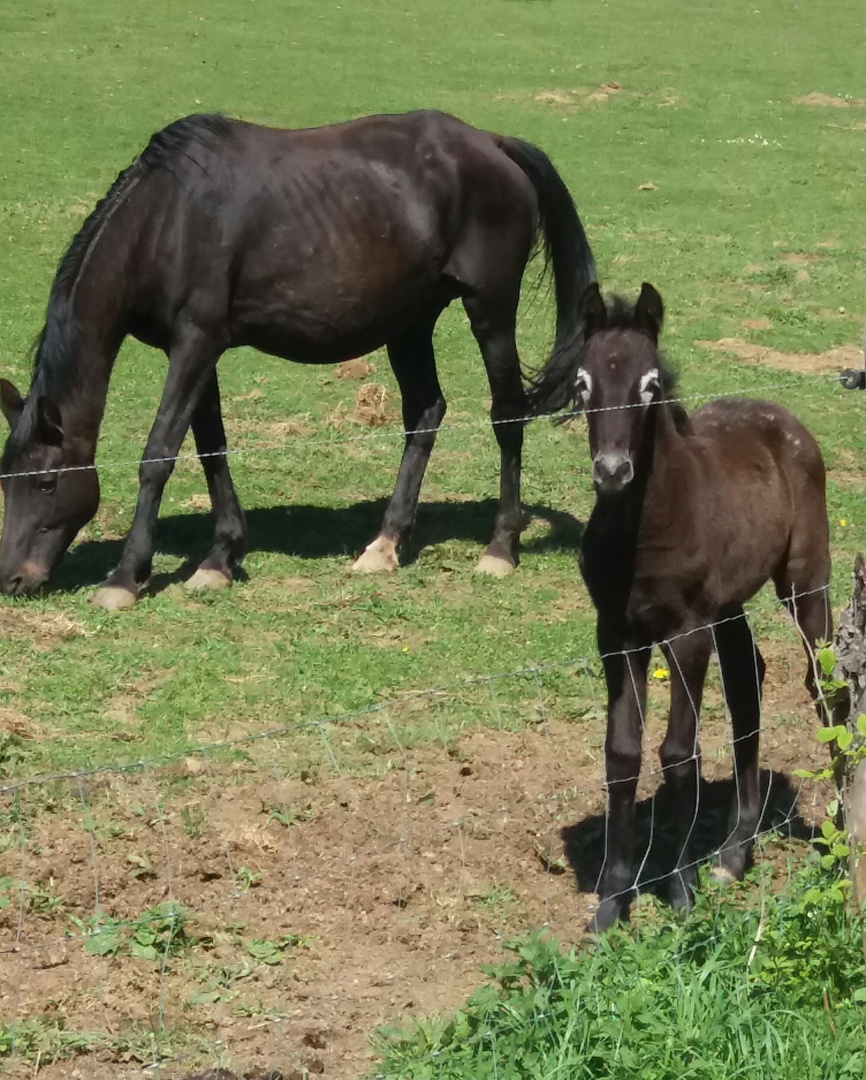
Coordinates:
184 907
197 891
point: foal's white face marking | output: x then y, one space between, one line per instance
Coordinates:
649 386
583 385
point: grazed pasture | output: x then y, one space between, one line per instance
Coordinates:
720 157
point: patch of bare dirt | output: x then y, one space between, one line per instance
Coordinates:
829 101
358 368
803 363
756 324
381 895
43 629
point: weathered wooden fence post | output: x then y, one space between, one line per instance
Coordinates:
850 650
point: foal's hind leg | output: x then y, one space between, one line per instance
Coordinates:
687 657
190 361
493 324
742 668
414 367
230 533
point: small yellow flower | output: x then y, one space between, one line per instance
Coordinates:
661 673
405 649
843 522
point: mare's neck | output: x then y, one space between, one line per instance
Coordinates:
88 342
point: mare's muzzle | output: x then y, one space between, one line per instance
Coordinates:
25 580
611 473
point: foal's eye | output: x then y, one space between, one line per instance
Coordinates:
649 386
583 386
47 483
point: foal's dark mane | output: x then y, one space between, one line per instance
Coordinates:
55 365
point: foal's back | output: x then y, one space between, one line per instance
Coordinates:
758 481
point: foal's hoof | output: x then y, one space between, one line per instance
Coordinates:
378 557
114 598
723 876
208 580
495 566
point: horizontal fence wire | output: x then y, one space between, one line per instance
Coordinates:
395 432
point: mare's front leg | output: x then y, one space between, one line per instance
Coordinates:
625 674
493 323
191 359
230 531
687 657
414 367
742 668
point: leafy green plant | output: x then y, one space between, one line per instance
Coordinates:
158 934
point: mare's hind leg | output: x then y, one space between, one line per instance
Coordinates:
230 532
742 668
493 324
687 658
191 360
414 367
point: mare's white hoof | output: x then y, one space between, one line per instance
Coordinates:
207 580
113 598
494 566
722 875
379 557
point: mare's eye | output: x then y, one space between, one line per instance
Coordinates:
47 483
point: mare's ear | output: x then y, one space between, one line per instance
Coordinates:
49 422
593 311
649 311
11 402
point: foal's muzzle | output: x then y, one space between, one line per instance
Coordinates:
611 473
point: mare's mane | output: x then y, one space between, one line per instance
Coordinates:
55 364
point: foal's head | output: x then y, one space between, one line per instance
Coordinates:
620 375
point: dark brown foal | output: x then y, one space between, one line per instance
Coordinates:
692 517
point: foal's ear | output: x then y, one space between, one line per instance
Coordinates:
49 422
593 311
649 311
11 402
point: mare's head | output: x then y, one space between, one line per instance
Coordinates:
618 378
45 507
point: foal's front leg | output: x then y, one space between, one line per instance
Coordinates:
687 659
625 674
190 362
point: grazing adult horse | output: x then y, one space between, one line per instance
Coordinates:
314 245
692 516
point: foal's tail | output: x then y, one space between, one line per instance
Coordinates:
567 252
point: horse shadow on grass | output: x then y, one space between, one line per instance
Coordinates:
308 531
655 830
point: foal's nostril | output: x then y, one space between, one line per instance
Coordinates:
611 472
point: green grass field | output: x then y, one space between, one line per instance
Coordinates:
695 165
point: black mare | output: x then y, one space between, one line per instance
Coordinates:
314 245
692 516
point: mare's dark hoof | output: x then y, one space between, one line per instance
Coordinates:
681 895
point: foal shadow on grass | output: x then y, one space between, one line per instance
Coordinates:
314 532
654 828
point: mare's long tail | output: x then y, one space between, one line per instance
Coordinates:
568 254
